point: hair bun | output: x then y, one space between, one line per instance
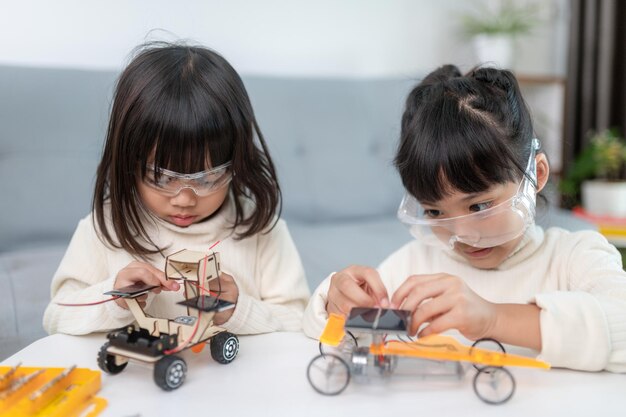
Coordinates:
501 79
442 74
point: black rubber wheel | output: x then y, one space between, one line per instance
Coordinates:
347 345
328 374
494 385
487 344
170 372
224 347
106 361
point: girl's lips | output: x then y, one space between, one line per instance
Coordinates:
183 220
480 253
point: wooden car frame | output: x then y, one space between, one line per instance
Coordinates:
158 340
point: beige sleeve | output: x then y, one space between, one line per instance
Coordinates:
584 325
83 277
282 286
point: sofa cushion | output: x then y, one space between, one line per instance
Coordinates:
25 277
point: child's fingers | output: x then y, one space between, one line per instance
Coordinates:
439 325
422 292
167 284
418 288
153 269
430 310
225 277
338 303
227 291
353 292
140 272
371 277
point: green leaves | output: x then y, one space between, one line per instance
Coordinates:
508 19
604 158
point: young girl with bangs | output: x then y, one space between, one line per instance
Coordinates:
184 166
472 166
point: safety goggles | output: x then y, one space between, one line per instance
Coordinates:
202 183
484 229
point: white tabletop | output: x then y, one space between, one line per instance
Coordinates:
268 378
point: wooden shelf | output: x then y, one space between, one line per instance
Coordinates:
540 79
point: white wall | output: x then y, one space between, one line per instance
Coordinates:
360 38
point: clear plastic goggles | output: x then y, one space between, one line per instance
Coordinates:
202 183
484 229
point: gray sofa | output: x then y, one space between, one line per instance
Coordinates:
332 140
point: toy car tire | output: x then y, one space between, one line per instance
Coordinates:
328 374
489 344
106 361
224 347
494 385
170 372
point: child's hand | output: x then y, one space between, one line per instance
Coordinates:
142 272
227 290
356 286
445 302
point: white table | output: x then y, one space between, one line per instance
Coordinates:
268 378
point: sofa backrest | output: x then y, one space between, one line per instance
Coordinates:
51 132
332 141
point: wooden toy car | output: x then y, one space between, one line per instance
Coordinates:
340 356
157 340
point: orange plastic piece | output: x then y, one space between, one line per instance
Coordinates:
334 331
439 347
198 348
54 392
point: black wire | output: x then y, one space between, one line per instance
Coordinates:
414 344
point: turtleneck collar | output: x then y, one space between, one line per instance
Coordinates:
530 243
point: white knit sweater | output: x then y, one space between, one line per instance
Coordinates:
575 278
266 268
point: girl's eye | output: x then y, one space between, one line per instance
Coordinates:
432 213
480 206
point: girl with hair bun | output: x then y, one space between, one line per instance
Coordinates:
472 167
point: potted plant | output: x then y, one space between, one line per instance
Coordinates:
598 175
493 31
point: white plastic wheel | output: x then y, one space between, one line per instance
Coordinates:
494 385
328 374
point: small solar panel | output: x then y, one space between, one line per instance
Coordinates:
132 291
378 320
207 303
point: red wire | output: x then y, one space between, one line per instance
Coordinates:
195 329
88 304
213 293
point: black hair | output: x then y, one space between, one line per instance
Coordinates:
186 107
463 133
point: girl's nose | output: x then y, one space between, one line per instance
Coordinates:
464 233
185 198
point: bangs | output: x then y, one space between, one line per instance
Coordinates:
185 137
466 155
180 122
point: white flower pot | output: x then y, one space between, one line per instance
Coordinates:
604 198
494 50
